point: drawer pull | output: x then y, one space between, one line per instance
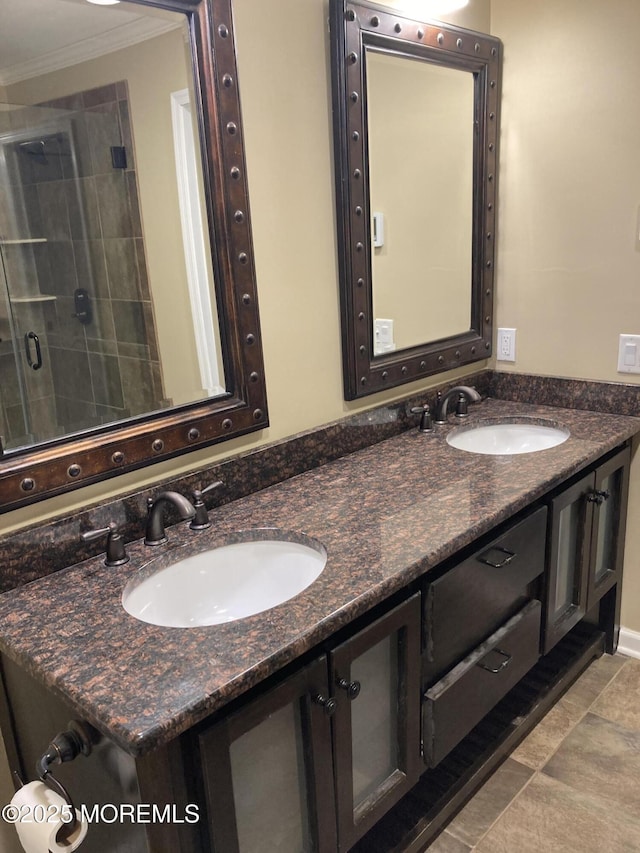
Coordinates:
497 560
503 665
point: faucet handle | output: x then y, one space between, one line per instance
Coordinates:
425 420
462 409
201 519
116 554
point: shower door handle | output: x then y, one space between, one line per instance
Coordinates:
31 336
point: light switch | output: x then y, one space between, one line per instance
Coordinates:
378 230
628 354
383 336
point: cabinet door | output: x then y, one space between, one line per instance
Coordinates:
376 680
609 500
268 772
568 552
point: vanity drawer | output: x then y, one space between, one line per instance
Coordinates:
457 703
470 601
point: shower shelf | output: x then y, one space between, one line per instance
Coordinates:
23 242
39 297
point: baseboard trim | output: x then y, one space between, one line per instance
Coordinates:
629 643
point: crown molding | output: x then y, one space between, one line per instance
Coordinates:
120 37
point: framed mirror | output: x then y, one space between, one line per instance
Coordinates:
416 126
129 326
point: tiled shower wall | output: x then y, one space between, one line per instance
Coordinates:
88 212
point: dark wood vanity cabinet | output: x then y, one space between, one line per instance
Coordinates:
319 761
585 544
314 762
373 740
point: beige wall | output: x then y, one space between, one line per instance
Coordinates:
568 261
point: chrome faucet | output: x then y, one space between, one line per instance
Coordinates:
462 393
155 534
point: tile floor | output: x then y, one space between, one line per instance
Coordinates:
572 784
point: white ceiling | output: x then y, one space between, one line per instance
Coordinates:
37 36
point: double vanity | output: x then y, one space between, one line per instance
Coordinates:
451 596
373 613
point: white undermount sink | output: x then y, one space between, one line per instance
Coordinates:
238 579
507 439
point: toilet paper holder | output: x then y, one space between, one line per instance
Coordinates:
78 739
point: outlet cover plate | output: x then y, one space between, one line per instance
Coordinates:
629 354
506 349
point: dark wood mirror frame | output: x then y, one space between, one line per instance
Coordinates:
354 27
31 474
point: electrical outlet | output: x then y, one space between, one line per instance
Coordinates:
506 345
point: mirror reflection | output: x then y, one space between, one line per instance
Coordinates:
421 206
107 298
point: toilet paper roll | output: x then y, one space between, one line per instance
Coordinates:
40 825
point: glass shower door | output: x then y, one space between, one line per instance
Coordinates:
33 172
14 412
83 327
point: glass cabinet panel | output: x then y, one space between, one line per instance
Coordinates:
585 547
273 816
268 770
567 577
609 500
374 718
570 515
608 515
375 677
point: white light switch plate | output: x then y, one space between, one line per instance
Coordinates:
629 354
383 336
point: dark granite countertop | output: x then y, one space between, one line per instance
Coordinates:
385 514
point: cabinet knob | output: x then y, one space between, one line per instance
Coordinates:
598 497
352 688
328 705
